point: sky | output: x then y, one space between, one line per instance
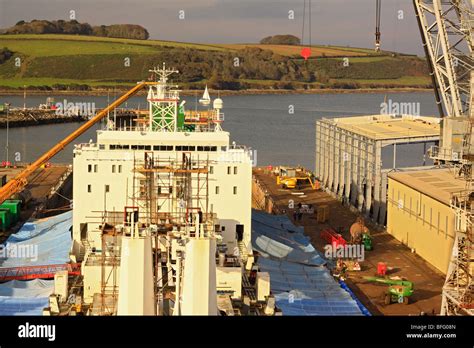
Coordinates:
335 22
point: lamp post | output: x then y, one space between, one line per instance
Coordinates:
24 97
7 106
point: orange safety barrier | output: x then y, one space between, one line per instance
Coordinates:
35 272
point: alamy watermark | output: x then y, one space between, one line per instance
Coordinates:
391 107
239 156
348 251
22 251
66 108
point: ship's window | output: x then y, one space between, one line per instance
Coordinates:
185 148
112 147
101 147
235 170
113 168
207 148
211 170
217 190
89 168
124 147
213 148
223 148
134 147
107 188
160 148
120 168
89 188
235 190
163 148
200 148
96 168
229 170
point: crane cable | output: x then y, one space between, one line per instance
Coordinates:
306 51
304 17
378 8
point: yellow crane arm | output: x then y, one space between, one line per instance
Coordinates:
18 183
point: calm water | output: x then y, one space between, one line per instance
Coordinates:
262 122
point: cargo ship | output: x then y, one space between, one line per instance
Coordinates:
158 203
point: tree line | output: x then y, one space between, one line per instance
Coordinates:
73 27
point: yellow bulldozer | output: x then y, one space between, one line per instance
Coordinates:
295 178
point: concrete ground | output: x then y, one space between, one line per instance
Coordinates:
400 260
39 184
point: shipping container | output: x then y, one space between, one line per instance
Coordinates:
5 219
14 207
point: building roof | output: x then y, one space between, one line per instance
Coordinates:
388 127
438 184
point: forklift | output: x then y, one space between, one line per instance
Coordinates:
399 290
294 177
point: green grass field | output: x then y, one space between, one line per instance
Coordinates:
403 81
107 40
47 48
51 59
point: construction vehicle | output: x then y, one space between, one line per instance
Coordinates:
399 290
295 177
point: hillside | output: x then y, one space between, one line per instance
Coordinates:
52 61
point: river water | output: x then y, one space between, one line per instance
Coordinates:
263 122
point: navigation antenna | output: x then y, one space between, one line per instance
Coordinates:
163 73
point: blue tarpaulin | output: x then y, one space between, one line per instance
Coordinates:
25 297
39 242
43 242
276 236
299 278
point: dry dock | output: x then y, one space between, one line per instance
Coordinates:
399 258
49 189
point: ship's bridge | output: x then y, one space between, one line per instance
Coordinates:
166 111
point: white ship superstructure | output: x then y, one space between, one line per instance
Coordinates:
169 189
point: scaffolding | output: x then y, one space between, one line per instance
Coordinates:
167 190
458 290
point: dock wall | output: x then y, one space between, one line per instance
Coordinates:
261 198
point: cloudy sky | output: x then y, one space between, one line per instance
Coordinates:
338 22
